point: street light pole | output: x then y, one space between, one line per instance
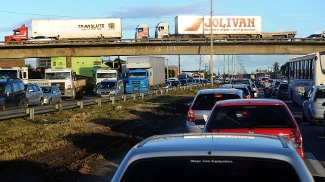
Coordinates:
167 71
211 52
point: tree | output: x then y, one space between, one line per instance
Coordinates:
284 69
276 66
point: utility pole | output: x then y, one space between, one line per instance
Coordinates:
200 63
211 52
167 71
179 64
228 68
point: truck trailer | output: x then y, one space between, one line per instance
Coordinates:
70 84
222 27
144 73
70 29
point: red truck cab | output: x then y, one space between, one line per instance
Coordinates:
19 34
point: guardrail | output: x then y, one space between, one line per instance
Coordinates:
32 111
167 40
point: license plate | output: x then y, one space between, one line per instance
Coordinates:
135 88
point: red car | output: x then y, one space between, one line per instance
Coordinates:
258 116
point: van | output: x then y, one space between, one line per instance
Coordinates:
12 94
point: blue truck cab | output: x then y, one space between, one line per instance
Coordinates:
137 80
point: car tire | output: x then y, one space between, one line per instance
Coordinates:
23 104
41 102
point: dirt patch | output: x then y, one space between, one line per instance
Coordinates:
95 156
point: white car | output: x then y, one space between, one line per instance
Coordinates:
40 39
213 157
313 109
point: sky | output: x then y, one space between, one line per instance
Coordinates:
305 17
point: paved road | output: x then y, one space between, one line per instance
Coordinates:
313 139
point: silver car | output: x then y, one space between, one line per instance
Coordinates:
52 94
313 110
204 102
108 88
213 157
34 94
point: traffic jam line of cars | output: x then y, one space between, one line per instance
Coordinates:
16 94
230 136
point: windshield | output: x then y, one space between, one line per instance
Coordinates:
250 117
106 75
6 74
107 85
46 89
57 75
207 101
138 75
193 168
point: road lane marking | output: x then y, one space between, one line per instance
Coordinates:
315 163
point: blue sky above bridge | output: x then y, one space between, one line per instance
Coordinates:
277 15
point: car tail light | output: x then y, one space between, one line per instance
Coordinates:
315 97
190 116
295 137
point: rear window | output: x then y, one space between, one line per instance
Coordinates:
283 86
209 169
240 82
207 101
320 93
250 117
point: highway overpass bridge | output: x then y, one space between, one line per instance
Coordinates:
129 47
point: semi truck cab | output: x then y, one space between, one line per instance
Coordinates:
138 81
162 30
142 31
19 34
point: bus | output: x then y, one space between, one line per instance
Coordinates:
304 72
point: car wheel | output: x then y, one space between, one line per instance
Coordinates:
41 102
312 121
23 104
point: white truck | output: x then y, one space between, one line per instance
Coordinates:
14 73
106 74
70 84
144 73
69 29
187 26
